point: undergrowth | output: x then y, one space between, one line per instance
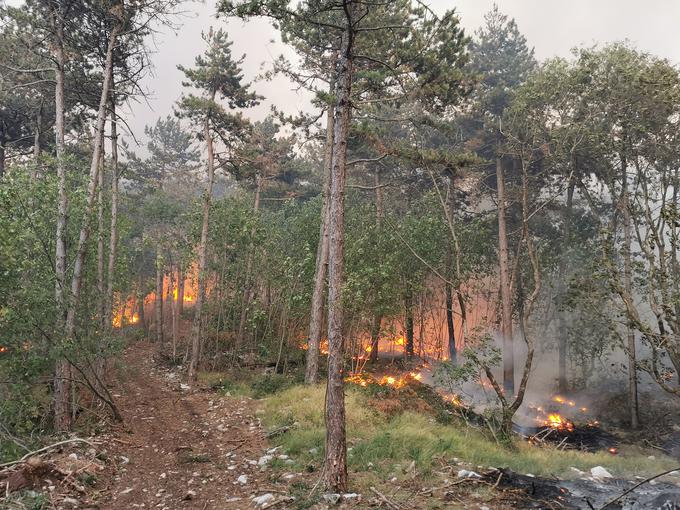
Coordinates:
400 443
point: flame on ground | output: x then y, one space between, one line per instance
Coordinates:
558 422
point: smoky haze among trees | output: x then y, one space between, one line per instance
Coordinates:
450 210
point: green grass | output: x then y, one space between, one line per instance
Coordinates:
386 447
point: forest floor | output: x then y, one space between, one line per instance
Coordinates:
183 447
196 447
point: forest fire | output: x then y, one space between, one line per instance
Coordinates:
395 381
558 422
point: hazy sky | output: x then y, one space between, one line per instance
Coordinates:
552 27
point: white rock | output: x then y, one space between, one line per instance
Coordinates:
313 451
530 475
264 460
264 499
124 460
351 496
600 473
577 471
125 491
243 479
162 476
184 387
70 501
464 473
231 500
331 498
282 457
73 456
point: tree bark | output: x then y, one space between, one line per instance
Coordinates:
180 290
504 275
408 308
377 317
628 285
174 280
247 291
448 290
158 302
335 462
113 241
79 262
101 285
316 314
62 379
202 248
563 337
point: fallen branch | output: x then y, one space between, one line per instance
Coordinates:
636 486
44 449
278 431
384 499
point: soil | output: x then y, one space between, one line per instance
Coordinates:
182 447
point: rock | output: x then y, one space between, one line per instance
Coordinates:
313 451
162 476
599 473
282 457
73 456
263 500
125 491
351 496
124 460
333 499
184 387
264 460
464 473
189 495
231 500
243 479
70 501
578 471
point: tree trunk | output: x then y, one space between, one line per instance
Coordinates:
158 302
202 248
335 462
36 136
174 280
563 337
628 284
79 262
377 317
247 290
62 379
180 290
2 155
504 275
408 308
101 285
448 290
316 314
113 241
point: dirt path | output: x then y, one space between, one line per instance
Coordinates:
183 448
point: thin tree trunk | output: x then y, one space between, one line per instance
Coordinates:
377 318
448 290
316 314
2 156
563 337
408 308
101 290
174 280
36 134
202 248
628 284
158 302
113 242
504 275
62 379
180 290
335 462
247 291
